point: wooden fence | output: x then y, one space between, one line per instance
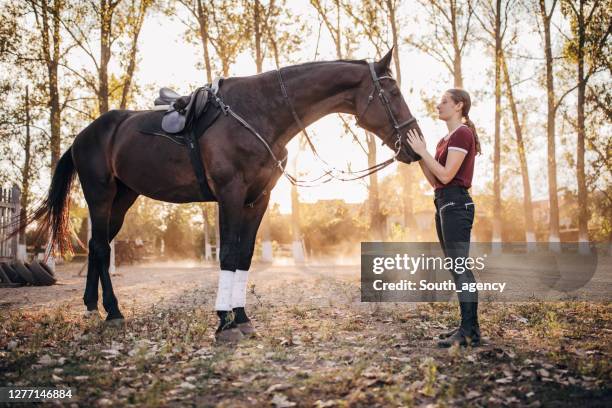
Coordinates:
10 209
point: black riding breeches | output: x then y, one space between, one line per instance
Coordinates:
454 219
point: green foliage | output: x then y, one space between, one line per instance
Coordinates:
329 223
181 235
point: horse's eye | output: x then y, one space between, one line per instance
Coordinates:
395 92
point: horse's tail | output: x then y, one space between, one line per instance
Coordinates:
53 214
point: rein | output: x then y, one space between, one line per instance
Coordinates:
297 120
328 175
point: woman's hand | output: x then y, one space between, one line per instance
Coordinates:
416 142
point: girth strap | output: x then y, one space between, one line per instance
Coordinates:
193 146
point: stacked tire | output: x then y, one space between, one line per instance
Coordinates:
18 273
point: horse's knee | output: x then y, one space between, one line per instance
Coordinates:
99 251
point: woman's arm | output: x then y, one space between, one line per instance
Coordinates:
445 173
428 174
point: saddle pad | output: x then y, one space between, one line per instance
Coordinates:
184 109
153 124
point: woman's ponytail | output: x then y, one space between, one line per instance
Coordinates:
471 125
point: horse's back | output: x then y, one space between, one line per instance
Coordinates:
150 164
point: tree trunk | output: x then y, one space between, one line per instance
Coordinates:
203 23
202 13
393 23
266 254
553 232
297 248
129 73
107 9
497 150
51 37
376 226
527 205
457 70
106 16
25 172
405 172
583 217
338 31
257 32
206 227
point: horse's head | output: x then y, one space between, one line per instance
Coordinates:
382 110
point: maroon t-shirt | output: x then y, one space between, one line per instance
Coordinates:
461 139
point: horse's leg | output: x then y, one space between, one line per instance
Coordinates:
231 207
248 233
121 204
123 200
100 196
99 203
90 297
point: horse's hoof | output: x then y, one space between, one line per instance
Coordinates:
247 329
232 335
92 315
115 322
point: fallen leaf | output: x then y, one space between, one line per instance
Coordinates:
325 404
104 402
46 360
281 401
187 386
543 372
473 394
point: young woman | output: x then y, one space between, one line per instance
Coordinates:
450 173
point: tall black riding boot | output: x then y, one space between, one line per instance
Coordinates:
469 331
476 324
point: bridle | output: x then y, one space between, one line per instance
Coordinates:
331 173
385 102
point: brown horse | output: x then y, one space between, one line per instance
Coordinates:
116 163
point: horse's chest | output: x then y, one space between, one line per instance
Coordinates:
262 184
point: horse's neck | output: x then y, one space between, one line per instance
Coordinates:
314 91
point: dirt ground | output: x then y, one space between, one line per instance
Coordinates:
144 285
318 345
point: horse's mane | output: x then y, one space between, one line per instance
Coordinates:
348 61
318 63
312 64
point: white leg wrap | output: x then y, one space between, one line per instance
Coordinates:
224 291
239 290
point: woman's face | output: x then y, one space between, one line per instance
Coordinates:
447 108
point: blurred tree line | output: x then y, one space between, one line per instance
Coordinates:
64 62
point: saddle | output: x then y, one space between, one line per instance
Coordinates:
183 119
181 111
174 117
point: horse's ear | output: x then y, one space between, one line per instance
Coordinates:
384 63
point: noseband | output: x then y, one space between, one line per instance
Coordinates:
385 102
